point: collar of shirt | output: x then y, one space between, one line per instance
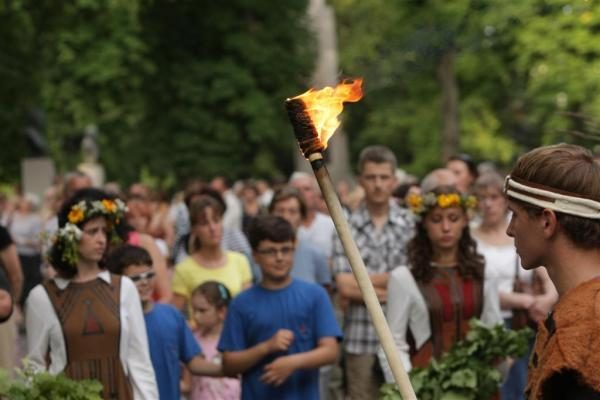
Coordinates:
62 283
397 216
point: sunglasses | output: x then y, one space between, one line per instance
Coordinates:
146 276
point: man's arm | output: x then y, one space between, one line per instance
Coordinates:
238 362
348 286
10 259
279 370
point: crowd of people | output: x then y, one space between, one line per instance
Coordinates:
245 291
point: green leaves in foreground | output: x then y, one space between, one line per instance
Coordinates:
38 386
468 370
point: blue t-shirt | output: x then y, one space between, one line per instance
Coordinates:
256 314
171 341
310 264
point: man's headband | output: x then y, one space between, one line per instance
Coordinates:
546 197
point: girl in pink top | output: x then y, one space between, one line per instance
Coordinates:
209 304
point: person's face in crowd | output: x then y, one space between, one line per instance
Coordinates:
307 188
528 233
209 228
94 239
143 277
289 209
275 259
249 195
136 216
492 205
464 179
218 184
444 227
206 315
378 181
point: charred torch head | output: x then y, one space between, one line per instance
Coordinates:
304 129
314 114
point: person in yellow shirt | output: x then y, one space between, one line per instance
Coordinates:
208 261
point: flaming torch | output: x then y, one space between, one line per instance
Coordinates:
314 118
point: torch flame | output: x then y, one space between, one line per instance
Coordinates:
323 106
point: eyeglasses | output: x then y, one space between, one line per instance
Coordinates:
146 276
272 251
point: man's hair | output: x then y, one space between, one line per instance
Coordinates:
286 193
566 168
436 178
270 227
376 154
127 255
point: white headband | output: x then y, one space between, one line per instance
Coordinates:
566 204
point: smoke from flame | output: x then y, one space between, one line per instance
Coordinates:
323 106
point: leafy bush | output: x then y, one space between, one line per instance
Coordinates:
468 370
44 386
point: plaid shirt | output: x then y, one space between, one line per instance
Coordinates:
382 251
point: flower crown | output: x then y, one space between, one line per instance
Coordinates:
69 235
420 205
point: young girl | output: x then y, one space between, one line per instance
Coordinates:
209 305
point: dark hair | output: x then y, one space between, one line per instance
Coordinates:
270 227
465 158
63 268
196 189
198 207
569 169
215 293
125 255
470 263
285 193
377 154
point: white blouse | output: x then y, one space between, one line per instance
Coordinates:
406 309
503 261
44 332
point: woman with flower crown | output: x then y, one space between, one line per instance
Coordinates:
431 301
86 322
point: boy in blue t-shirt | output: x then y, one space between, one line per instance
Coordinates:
170 339
278 333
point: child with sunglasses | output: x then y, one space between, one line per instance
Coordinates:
170 339
209 304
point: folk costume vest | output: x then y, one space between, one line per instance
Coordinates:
568 340
451 301
90 318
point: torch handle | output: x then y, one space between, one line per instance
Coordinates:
362 276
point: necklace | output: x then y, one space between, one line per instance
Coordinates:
443 265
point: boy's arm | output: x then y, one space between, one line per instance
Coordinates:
279 370
201 366
238 362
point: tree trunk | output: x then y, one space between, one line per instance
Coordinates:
322 20
449 86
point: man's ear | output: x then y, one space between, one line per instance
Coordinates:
549 223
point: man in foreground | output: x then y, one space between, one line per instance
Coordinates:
554 194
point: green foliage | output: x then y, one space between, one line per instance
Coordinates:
177 89
467 371
527 74
36 386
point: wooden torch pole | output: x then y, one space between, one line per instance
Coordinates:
361 275
312 148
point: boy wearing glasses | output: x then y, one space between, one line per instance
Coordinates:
170 339
278 333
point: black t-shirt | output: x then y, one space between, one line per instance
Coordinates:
5 239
